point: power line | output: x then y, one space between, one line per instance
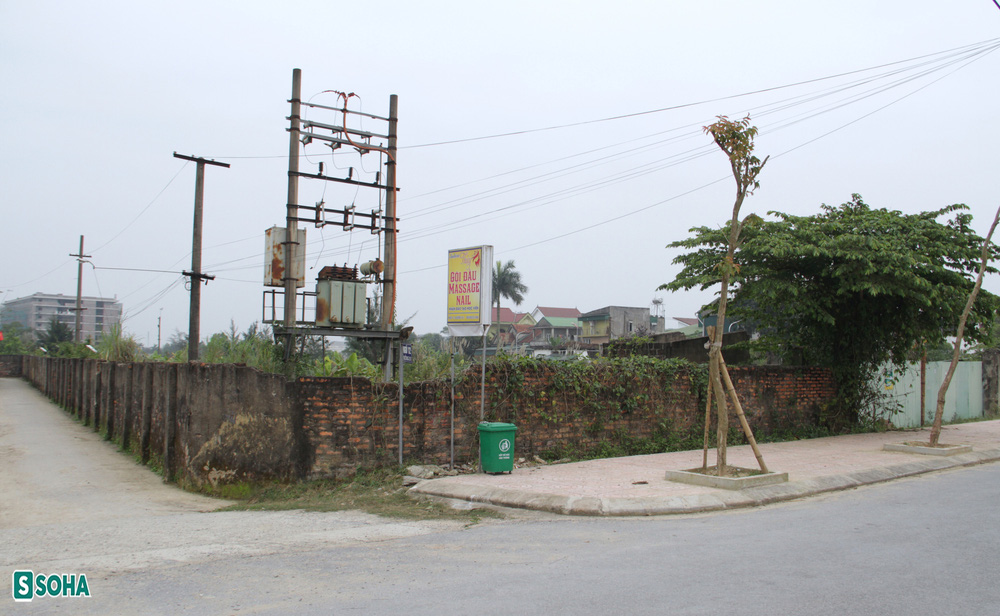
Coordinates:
674 197
964 55
138 269
629 174
770 108
148 205
51 271
153 300
685 105
965 48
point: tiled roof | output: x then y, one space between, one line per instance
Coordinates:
558 312
506 315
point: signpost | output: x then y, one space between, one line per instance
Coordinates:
470 295
470 290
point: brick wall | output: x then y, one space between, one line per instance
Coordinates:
166 412
171 413
776 398
10 365
347 422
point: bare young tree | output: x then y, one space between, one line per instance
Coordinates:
736 140
939 411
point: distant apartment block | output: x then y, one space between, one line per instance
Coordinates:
612 322
35 312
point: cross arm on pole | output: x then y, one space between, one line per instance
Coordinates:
205 161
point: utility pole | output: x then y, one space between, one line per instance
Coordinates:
194 325
291 216
159 324
303 131
389 278
79 292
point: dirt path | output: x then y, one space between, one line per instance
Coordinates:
71 502
55 470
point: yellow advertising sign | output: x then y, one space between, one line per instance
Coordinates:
465 285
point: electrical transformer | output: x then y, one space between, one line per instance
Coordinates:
340 298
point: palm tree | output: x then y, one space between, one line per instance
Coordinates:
507 283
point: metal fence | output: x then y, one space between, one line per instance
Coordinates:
964 399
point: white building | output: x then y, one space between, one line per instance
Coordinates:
35 312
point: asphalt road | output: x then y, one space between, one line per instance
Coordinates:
928 545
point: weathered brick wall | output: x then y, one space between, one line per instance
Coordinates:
553 416
171 413
776 398
10 365
339 426
163 411
347 423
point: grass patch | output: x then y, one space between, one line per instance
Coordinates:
378 491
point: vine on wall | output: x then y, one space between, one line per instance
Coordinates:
597 390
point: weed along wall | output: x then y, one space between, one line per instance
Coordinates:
220 423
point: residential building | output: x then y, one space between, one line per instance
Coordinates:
35 312
709 318
562 324
506 324
611 322
688 326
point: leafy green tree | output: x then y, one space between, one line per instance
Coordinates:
55 334
17 339
852 288
176 346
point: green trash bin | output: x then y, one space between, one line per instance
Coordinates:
496 446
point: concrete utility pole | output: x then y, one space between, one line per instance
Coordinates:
79 292
389 278
292 212
194 324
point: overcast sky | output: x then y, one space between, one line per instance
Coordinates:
895 100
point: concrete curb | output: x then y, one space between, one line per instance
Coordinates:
713 500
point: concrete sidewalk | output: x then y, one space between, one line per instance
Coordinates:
637 486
